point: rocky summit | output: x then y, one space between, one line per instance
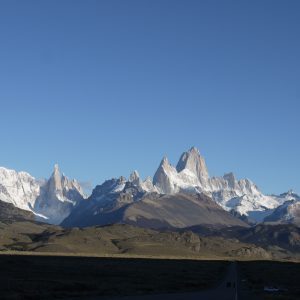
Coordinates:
49 200
149 201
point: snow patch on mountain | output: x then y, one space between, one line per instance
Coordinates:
18 188
288 212
145 185
191 175
55 198
58 197
50 200
168 180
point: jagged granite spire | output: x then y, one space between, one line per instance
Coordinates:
163 177
193 161
134 177
55 181
230 178
58 196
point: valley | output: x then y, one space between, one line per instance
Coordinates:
176 234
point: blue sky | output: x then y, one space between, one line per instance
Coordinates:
106 87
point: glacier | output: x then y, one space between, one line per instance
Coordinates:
53 200
50 200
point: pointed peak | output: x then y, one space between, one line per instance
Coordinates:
134 176
192 153
56 172
194 162
122 179
194 150
164 161
229 175
56 168
230 178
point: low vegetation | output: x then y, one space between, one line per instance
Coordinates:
121 240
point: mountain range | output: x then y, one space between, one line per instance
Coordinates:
49 200
181 196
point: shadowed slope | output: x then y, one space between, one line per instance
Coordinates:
154 211
179 211
8 212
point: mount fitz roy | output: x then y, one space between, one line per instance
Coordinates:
177 196
191 175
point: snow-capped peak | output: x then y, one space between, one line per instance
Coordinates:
288 211
55 180
134 177
230 178
56 168
18 188
164 162
193 161
51 199
191 175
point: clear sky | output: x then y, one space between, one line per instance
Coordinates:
106 87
